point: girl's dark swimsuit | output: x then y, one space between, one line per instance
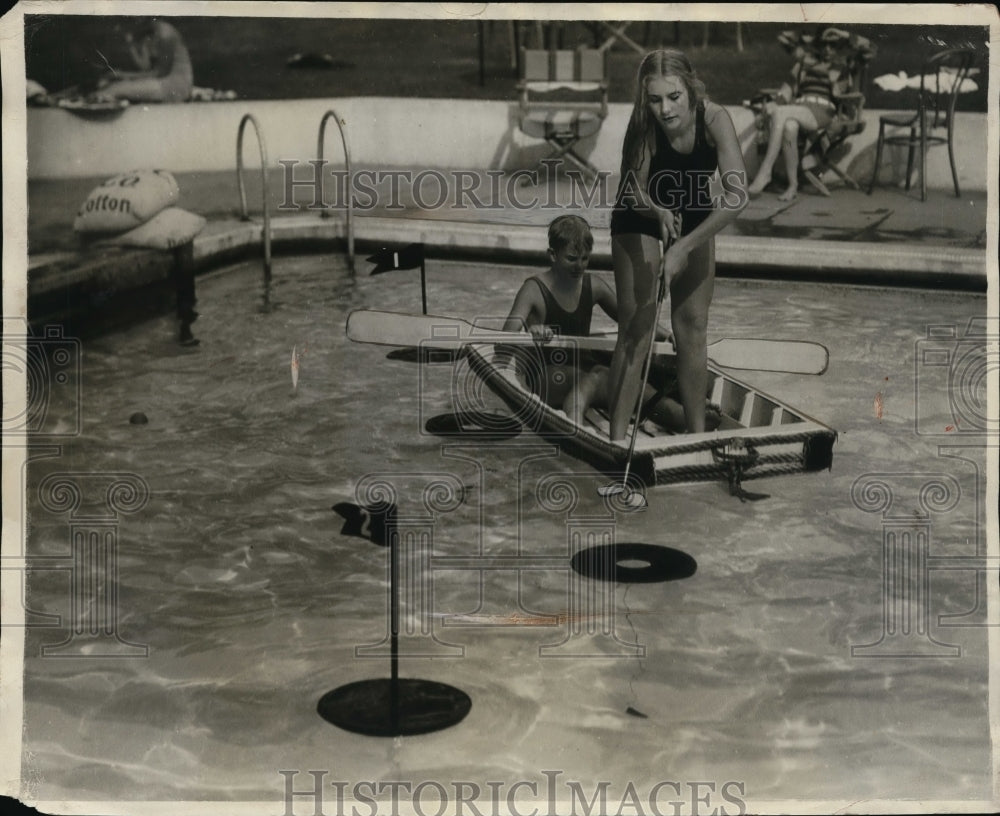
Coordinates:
677 181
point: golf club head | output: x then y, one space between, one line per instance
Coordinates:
624 496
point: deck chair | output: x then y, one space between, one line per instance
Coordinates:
941 81
563 98
821 150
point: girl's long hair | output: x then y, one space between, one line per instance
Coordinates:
662 63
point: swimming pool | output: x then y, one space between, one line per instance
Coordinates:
752 680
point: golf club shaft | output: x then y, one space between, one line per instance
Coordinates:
660 297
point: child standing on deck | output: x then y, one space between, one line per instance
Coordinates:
561 301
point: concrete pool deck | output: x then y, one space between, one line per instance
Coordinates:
889 237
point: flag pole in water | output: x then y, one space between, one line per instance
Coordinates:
409 257
394 634
394 707
423 283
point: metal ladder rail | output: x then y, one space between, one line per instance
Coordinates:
249 117
347 165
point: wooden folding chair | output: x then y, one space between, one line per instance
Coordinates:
941 80
822 149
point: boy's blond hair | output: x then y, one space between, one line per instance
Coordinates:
570 231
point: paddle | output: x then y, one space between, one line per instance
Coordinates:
432 331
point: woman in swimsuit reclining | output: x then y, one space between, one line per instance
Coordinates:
806 104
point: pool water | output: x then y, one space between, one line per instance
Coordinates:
246 597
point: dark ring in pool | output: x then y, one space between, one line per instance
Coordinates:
663 563
485 425
365 707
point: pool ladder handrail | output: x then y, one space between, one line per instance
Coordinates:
244 216
347 166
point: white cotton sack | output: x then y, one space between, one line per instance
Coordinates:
126 201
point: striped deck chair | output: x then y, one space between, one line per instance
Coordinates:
563 98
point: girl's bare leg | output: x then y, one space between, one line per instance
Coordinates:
691 296
636 260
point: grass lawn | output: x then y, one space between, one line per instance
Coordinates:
441 59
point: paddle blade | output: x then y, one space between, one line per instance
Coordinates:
786 356
397 329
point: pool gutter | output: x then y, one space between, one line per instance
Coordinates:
61 283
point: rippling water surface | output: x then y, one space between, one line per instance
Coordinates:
252 598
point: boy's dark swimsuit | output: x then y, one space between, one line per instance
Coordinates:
576 323
566 323
677 181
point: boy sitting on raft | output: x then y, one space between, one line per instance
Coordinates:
561 301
